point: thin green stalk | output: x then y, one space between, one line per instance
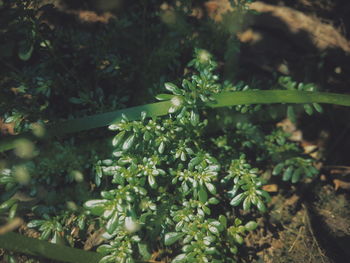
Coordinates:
90 122
279 96
161 108
39 248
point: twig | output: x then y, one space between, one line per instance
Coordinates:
296 239
308 223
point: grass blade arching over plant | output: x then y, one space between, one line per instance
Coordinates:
223 99
279 96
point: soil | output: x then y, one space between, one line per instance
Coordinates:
311 225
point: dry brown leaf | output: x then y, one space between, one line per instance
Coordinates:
292 200
95 239
6 128
339 184
272 188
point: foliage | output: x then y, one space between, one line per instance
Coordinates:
167 186
289 84
166 183
163 181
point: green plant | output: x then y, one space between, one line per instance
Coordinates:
167 185
170 186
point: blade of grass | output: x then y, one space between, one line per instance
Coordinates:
279 96
161 108
39 248
90 122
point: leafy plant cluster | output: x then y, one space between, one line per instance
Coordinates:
49 187
166 184
166 187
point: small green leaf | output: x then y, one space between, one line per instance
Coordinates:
194 162
46 234
184 187
213 230
179 258
278 169
152 181
238 239
161 148
112 223
81 222
172 237
172 88
187 248
173 109
251 225
183 156
287 174
211 188
164 96
96 206
217 224
246 203
233 250
7 205
107 194
10 258
108 259
118 138
223 221
143 250
237 199
210 251
264 194
57 239
296 175
104 249
310 171
35 223
261 206
25 50
213 201
129 142
194 118
147 136
13 211
202 194
206 210
308 109
317 107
